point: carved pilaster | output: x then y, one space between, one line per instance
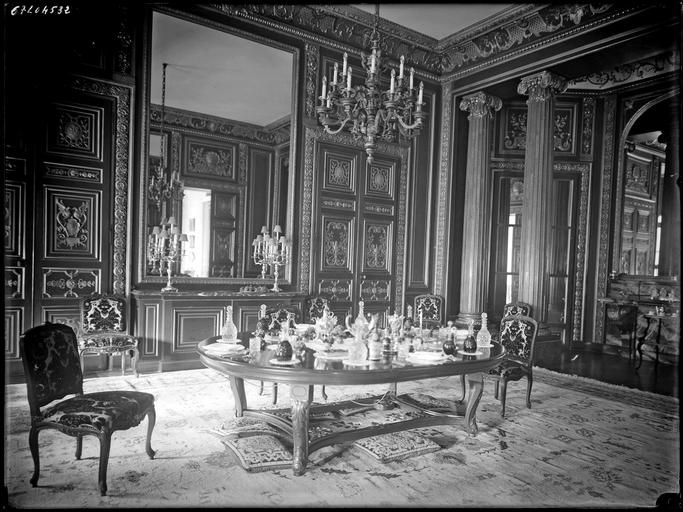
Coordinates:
474 283
541 89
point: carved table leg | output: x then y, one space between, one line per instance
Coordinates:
302 396
237 386
476 385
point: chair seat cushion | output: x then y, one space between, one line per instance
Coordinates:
107 341
509 370
112 410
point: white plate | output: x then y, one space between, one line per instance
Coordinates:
332 355
288 362
354 363
231 342
424 355
224 348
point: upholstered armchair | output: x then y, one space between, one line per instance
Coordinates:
103 330
52 369
430 307
518 337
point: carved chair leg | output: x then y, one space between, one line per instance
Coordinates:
323 393
33 445
105 444
495 389
503 392
260 390
134 356
530 382
151 420
79 446
274 393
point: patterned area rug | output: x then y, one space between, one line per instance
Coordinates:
582 444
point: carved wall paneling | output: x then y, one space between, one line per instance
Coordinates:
70 283
190 325
15 219
15 282
512 126
72 219
69 315
151 323
360 222
75 130
14 326
73 172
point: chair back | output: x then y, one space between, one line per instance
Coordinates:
49 353
430 306
518 336
315 306
272 320
517 308
102 313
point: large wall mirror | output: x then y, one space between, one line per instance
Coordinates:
228 100
648 241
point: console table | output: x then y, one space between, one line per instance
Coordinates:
310 371
659 318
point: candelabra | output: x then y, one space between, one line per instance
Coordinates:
368 112
165 248
272 250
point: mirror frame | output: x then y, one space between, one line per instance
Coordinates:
286 273
665 95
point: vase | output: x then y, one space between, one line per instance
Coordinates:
284 351
470 344
448 346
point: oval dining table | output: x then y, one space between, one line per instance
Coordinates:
309 370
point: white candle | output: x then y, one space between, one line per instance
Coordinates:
391 83
329 103
336 69
420 319
400 70
419 96
324 91
346 56
372 61
348 79
412 72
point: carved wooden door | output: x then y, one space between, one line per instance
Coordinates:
358 230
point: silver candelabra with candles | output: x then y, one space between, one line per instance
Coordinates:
274 250
165 248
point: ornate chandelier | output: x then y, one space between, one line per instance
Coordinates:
163 187
369 113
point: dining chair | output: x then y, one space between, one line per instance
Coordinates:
51 361
315 306
102 330
518 337
428 308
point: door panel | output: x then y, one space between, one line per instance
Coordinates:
357 213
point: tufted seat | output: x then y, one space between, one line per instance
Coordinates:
53 374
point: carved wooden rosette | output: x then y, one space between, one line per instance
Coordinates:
541 89
481 108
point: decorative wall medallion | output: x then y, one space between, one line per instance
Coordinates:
340 173
375 290
75 130
73 172
376 249
14 282
336 243
70 283
339 204
73 218
336 289
380 181
14 219
210 160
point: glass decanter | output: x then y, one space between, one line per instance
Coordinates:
229 330
484 336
